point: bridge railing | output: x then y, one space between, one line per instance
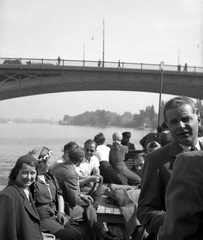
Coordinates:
37 63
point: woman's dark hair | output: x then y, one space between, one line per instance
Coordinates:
14 172
99 139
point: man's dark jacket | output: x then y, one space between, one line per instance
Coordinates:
155 177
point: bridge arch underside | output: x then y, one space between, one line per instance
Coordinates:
26 83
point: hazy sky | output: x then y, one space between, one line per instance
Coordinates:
147 31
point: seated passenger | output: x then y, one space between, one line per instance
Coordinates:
66 150
152 136
126 141
152 146
88 170
138 163
117 156
49 201
106 170
102 151
79 203
19 219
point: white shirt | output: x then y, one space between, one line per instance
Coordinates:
27 193
86 167
188 148
102 153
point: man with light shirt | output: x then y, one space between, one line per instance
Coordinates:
88 170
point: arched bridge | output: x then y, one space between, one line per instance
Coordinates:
24 77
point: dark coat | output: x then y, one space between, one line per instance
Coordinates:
110 175
68 182
19 219
155 177
184 198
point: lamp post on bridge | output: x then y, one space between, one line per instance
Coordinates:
103 45
160 92
83 54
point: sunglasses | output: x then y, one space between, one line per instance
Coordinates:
81 160
89 150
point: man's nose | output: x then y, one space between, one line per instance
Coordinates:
29 176
182 124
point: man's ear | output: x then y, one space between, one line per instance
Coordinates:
198 117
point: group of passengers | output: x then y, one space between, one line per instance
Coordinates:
60 198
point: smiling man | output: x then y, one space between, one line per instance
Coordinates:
182 119
88 171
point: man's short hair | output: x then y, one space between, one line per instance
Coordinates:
90 141
76 154
179 101
69 145
126 134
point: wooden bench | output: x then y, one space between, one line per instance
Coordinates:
109 212
131 154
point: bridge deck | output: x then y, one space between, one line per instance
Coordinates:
41 76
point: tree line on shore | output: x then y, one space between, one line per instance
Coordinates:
101 118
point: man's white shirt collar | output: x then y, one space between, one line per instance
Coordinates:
188 148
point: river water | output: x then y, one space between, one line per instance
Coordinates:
17 139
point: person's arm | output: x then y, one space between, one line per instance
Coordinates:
72 190
150 205
96 171
95 166
86 198
61 213
61 204
85 180
184 199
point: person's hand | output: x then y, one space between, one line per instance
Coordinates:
95 178
86 198
62 218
